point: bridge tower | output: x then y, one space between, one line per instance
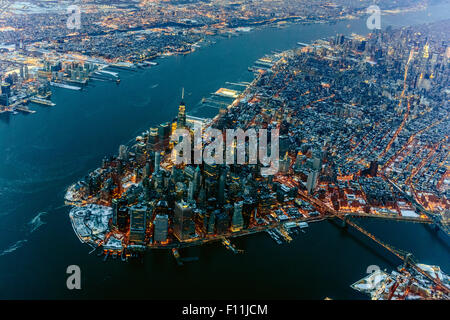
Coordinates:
344 222
406 260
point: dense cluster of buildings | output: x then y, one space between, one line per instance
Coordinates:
404 284
152 28
372 109
18 86
340 106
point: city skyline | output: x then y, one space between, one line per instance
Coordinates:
353 124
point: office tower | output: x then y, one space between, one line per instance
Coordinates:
197 178
202 196
161 208
183 223
285 164
6 89
4 100
122 218
312 181
284 143
298 162
147 169
161 224
191 191
222 222
157 161
221 191
317 164
237 223
138 218
373 169
158 181
228 210
181 120
189 172
211 187
164 131
152 141
115 210
212 222
123 153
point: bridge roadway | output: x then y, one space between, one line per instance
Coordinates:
405 256
387 217
435 219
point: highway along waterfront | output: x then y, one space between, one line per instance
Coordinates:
43 153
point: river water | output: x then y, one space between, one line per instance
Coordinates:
42 154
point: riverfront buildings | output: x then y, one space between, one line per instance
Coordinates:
359 135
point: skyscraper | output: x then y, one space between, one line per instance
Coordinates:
197 178
237 222
138 218
123 153
222 222
221 192
373 169
191 191
317 164
161 224
312 181
6 89
212 221
157 161
115 209
183 224
153 138
181 120
122 218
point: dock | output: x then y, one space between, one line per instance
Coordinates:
42 102
177 256
24 109
231 247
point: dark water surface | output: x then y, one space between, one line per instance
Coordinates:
42 154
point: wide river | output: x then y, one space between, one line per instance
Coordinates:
42 154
